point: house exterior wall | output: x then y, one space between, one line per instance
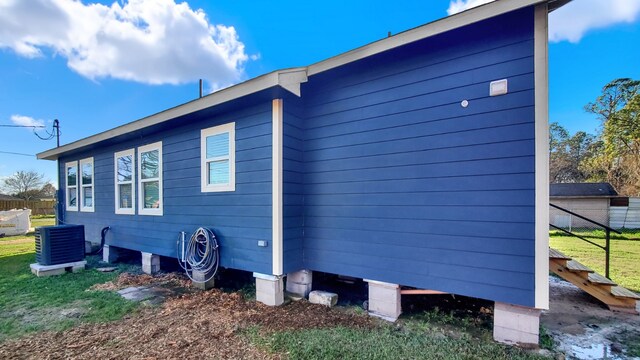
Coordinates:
293 182
238 218
594 209
404 185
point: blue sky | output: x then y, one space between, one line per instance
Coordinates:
92 66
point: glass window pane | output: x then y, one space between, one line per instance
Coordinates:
218 145
218 172
149 164
87 196
151 194
71 194
125 200
87 173
71 176
125 169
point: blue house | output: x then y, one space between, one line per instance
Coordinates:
418 160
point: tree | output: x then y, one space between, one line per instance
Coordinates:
25 184
48 191
566 153
618 158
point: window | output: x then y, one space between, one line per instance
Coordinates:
150 179
71 174
125 174
86 185
217 153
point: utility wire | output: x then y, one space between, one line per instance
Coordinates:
23 126
15 153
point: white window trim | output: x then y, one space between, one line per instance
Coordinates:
73 164
118 209
204 133
81 186
141 210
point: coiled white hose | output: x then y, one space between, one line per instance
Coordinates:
200 254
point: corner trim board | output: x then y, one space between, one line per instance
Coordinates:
276 183
541 79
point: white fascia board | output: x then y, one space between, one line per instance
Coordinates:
288 79
464 18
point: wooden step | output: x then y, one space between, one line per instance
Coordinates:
555 254
575 266
619 291
601 280
601 292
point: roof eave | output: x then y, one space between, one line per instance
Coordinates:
289 79
448 23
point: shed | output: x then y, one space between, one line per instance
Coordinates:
590 200
418 160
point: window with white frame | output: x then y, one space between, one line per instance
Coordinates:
86 185
71 175
125 174
150 179
217 153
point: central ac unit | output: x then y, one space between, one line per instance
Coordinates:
59 244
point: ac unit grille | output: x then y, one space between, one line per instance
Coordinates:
59 244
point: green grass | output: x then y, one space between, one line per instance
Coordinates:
623 262
29 303
412 338
42 221
627 234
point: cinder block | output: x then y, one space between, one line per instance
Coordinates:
323 298
299 283
514 324
58 269
150 263
384 300
269 289
200 282
110 254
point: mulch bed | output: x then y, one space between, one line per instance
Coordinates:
198 325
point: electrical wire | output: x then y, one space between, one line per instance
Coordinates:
201 254
22 126
15 153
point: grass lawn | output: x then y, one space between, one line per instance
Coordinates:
43 221
431 335
625 255
29 303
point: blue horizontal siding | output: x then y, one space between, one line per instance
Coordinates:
293 196
402 184
240 219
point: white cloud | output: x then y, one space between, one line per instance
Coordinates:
456 6
153 42
575 19
26 121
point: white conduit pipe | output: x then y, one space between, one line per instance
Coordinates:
199 254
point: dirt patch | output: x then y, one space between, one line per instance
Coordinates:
198 325
584 328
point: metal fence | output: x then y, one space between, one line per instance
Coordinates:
38 207
626 214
